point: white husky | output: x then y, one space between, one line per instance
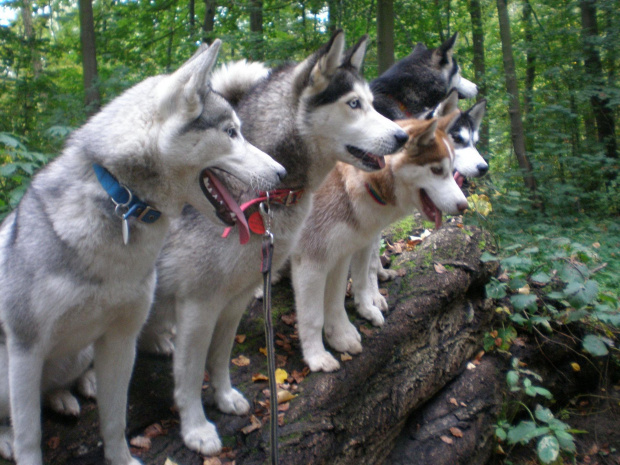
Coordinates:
348 211
77 256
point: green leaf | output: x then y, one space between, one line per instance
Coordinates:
580 295
11 141
512 378
8 170
543 392
488 257
594 345
522 430
541 277
542 321
548 449
524 302
518 319
543 414
495 289
500 433
566 440
573 272
577 315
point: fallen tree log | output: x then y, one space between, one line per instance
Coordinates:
436 320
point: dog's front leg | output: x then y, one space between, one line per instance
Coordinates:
25 372
228 399
340 333
114 357
309 284
365 287
196 320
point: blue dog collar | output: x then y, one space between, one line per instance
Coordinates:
127 203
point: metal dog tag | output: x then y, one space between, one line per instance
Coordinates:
125 231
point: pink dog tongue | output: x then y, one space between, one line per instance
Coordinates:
430 209
241 222
459 178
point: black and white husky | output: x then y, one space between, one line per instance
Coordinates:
77 255
307 116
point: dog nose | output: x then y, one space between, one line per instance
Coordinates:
462 206
401 138
482 168
282 174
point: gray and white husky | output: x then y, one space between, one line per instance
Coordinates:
78 253
307 116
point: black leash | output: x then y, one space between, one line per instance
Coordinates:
267 255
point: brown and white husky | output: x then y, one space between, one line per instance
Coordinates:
349 210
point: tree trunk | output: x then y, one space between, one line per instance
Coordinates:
350 417
31 38
335 15
209 21
385 34
256 29
92 98
516 125
192 15
475 11
603 114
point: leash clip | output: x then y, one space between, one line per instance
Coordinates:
267 216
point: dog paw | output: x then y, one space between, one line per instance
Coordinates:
87 384
344 338
160 343
322 362
232 402
372 314
63 402
203 439
6 442
386 274
380 302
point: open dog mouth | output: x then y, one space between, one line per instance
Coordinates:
430 210
226 208
369 160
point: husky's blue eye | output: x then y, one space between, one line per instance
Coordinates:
355 103
232 132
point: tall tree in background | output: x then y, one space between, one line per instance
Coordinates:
256 29
516 124
603 114
209 21
475 11
92 98
385 34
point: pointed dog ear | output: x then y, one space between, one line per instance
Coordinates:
330 59
427 136
182 89
446 122
477 113
448 104
355 56
443 53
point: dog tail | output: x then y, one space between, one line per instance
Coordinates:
233 80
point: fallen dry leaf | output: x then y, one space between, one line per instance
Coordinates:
241 361
284 407
281 376
53 442
366 331
240 338
575 366
439 268
457 433
383 291
453 401
446 439
263 350
141 442
284 396
255 424
298 376
212 461
154 430
345 357
169 462
288 319
258 377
